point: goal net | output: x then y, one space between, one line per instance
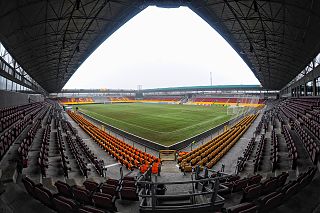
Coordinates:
234 110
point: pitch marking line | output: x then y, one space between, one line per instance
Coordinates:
174 131
125 122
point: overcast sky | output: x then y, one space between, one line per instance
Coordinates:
162 48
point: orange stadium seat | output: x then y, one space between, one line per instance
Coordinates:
210 153
127 155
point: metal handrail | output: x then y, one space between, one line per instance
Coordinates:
183 182
176 195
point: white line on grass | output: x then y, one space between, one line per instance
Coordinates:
126 122
174 131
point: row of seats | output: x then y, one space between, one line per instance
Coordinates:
71 101
315 115
28 110
246 154
121 99
252 188
12 114
162 98
298 110
312 125
77 154
273 119
44 151
274 150
256 190
9 120
50 118
50 115
125 188
259 126
61 146
87 197
293 154
80 150
312 102
66 126
297 107
71 199
127 155
280 118
25 145
6 111
10 134
226 100
307 121
8 137
289 113
56 122
234 184
278 195
210 153
259 153
311 146
98 164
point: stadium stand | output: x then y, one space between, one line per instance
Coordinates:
197 100
300 114
161 99
258 156
256 192
246 154
126 99
73 101
127 155
43 154
13 121
275 151
263 197
269 160
100 198
77 153
210 153
241 101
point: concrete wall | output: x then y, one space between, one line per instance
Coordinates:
8 98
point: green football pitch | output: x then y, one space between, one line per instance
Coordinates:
162 123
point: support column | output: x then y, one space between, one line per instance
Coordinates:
314 87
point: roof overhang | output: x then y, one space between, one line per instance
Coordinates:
51 39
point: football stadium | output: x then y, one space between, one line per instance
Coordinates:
159 123
225 148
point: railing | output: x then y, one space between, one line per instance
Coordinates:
151 201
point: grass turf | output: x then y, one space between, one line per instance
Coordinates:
162 123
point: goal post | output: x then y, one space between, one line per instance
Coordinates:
167 155
234 110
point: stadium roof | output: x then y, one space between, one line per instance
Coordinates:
206 88
51 39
